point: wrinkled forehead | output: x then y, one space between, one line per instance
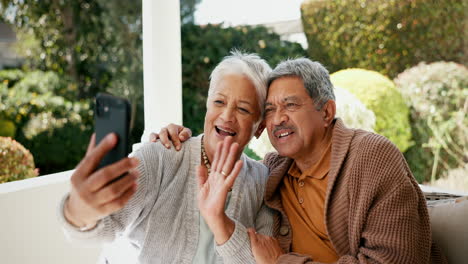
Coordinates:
285 88
236 86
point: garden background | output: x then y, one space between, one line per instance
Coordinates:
399 68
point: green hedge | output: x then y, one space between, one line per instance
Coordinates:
379 94
54 129
387 36
203 47
438 96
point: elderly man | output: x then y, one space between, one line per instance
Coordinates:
341 195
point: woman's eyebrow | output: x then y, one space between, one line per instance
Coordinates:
245 102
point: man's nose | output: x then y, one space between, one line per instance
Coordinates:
280 118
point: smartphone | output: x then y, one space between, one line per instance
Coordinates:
112 114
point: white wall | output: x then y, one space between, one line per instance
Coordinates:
29 230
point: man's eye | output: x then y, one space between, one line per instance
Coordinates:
291 105
218 102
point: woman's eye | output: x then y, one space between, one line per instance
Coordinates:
243 110
218 102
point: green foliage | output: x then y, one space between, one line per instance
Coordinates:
7 129
16 162
46 123
250 153
10 77
438 96
90 41
388 36
203 47
379 94
187 10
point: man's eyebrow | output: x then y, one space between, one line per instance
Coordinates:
290 98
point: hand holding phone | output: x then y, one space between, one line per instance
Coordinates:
98 192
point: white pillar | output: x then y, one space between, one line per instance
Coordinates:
162 65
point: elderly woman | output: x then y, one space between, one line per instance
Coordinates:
186 206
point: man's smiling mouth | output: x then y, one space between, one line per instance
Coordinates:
285 134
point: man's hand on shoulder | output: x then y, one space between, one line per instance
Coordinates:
172 133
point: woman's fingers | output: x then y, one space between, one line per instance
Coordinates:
233 175
92 143
119 202
116 189
230 159
92 159
105 175
223 155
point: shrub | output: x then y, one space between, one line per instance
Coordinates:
455 180
348 107
203 47
438 96
379 94
16 162
352 111
388 36
7 128
10 77
46 123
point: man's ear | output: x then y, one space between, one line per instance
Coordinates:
260 129
329 111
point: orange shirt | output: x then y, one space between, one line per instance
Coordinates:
303 198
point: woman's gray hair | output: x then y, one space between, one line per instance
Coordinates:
252 66
314 76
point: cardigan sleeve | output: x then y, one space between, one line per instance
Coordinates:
109 227
237 249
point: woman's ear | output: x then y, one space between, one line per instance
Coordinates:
260 129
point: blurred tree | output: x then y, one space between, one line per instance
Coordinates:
187 10
203 47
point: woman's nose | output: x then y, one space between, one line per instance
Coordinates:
227 114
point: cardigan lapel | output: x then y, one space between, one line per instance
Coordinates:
341 140
277 172
336 206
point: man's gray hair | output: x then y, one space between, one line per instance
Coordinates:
314 76
252 66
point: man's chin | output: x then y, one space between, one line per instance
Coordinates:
283 151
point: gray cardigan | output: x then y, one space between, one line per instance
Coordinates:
161 221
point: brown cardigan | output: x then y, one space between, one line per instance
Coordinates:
374 209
